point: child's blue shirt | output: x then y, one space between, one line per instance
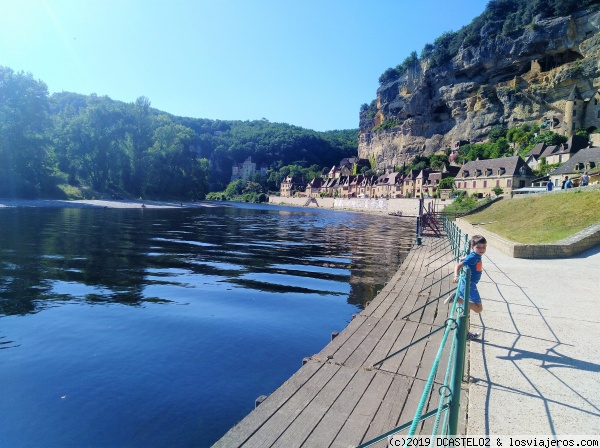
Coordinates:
473 261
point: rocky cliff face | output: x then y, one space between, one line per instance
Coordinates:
507 80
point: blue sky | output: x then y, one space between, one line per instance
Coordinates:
310 63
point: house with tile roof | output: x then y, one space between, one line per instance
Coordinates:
565 151
482 176
586 160
388 186
365 188
532 158
409 184
314 187
292 184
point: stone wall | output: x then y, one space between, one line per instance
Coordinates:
575 244
408 207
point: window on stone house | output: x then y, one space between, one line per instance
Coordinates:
474 184
498 182
574 113
485 184
508 183
599 114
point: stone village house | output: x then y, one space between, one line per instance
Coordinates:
290 185
586 160
481 176
555 154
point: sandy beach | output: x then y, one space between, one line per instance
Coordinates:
101 203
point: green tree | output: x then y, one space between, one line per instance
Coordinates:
497 132
175 169
550 138
99 135
438 161
235 188
446 183
141 141
25 157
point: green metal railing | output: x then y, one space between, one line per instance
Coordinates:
457 322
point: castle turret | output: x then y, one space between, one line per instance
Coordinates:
574 111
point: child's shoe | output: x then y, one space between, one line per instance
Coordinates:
471 336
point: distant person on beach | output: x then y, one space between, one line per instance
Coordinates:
549 185
474 263
585 179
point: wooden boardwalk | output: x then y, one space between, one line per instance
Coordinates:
337 398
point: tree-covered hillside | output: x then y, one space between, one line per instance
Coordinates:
51 145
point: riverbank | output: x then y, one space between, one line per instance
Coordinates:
400 206
100 203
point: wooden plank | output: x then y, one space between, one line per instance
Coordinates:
301 427
410 303
386 342
331 423
432 345
237 435
404 339
278 422
358 422
411 403
331 348
360 339
390 409
381 303
412 359
361 353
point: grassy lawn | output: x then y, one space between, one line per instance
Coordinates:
543 219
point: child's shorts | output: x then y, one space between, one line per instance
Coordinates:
473 292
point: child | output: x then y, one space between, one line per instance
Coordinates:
473 262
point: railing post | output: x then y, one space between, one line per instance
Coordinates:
462 326
418 230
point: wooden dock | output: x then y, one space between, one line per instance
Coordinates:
337 398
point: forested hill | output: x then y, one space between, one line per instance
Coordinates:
52 145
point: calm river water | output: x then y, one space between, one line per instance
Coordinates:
159 328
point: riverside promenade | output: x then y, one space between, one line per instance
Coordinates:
536 369
339 398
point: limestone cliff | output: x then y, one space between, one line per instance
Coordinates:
506 80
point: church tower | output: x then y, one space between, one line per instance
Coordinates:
574 111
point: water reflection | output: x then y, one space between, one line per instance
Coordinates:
131 314
111 255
